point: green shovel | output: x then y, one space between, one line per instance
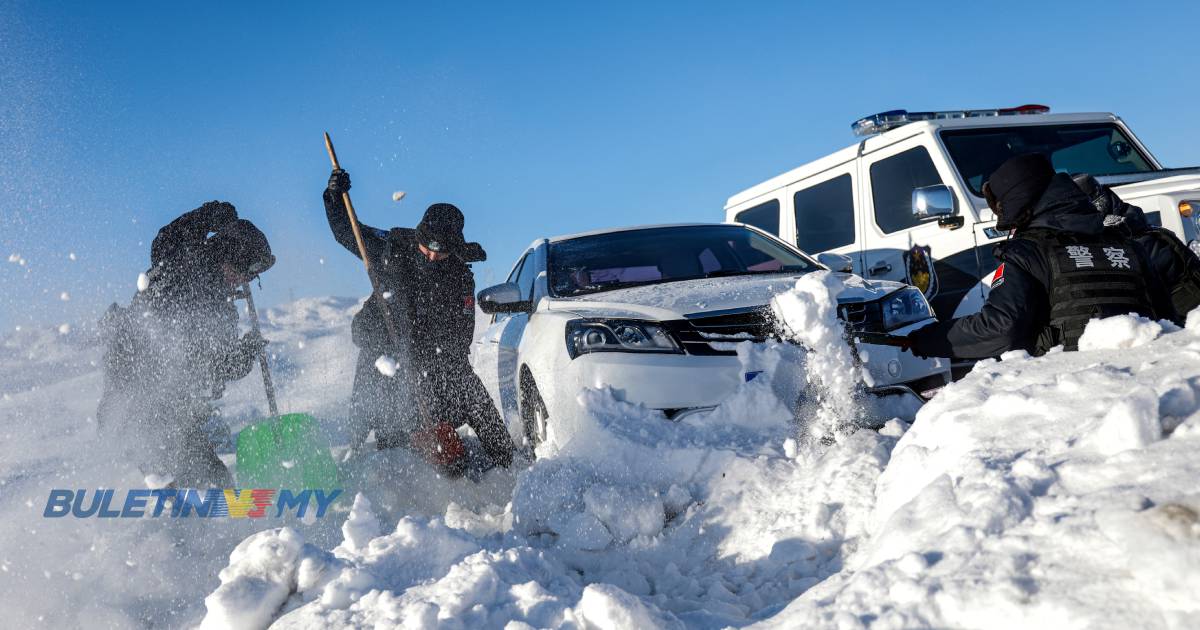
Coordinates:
282 452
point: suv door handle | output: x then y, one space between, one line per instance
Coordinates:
880 267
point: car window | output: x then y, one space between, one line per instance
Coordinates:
892 182
825 215
764 216
526 276
1095 148
602 262
512 277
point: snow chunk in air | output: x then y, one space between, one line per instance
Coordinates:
386 365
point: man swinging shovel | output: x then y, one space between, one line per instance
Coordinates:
413 384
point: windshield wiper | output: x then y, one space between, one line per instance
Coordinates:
719 273
613 284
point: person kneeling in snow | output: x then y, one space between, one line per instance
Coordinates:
172 351
1178 266
425 277
1060 269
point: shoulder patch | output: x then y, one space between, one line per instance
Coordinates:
998 276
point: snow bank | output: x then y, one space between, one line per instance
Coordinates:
1059 491
1122 331
634 520
262 572
1051 491
1056 491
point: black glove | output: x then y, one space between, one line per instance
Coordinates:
339 182
217 213
881 339
240 360
251 345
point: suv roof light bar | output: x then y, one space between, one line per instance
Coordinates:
885 121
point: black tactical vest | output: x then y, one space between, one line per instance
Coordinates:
1090 277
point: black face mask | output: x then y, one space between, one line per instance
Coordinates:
426 265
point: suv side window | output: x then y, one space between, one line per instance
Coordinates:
825 215
892 182
764 216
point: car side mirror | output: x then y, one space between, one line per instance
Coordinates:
836 262
503 298
934 202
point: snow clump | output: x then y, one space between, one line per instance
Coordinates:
386 365
808 313
1121 331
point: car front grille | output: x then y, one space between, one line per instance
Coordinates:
708 334
712 334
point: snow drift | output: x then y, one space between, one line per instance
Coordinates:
1060 491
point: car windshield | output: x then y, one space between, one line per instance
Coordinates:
1095 148
602 262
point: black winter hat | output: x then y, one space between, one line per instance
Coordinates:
244 246
1016 186
441 229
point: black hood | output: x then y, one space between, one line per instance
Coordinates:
1063 207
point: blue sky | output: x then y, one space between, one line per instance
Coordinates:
535 118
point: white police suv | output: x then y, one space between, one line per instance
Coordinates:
905 203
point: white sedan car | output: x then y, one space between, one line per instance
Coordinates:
649 312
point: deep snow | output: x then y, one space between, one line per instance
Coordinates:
1059 491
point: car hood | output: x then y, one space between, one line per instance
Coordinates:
1156 186
689 298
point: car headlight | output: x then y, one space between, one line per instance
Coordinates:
904 307
618 335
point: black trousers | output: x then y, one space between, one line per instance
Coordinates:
451 392
422 394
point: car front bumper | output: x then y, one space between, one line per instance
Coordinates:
676 383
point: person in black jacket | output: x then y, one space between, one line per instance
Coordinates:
1178 266
425 276
1060 269
170 354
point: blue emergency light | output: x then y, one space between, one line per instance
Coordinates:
884 121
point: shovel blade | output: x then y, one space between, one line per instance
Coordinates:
285 452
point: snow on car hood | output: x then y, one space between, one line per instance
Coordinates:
673 300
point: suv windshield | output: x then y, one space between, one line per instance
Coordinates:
1095 148
590 264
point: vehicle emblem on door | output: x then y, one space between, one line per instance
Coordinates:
918 265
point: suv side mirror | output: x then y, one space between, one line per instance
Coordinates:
503 298
934 202
836 262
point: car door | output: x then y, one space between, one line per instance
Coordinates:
487 351
941 261
823 214
503 338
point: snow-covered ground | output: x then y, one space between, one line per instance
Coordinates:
1062 491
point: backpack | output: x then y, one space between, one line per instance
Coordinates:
1184 290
